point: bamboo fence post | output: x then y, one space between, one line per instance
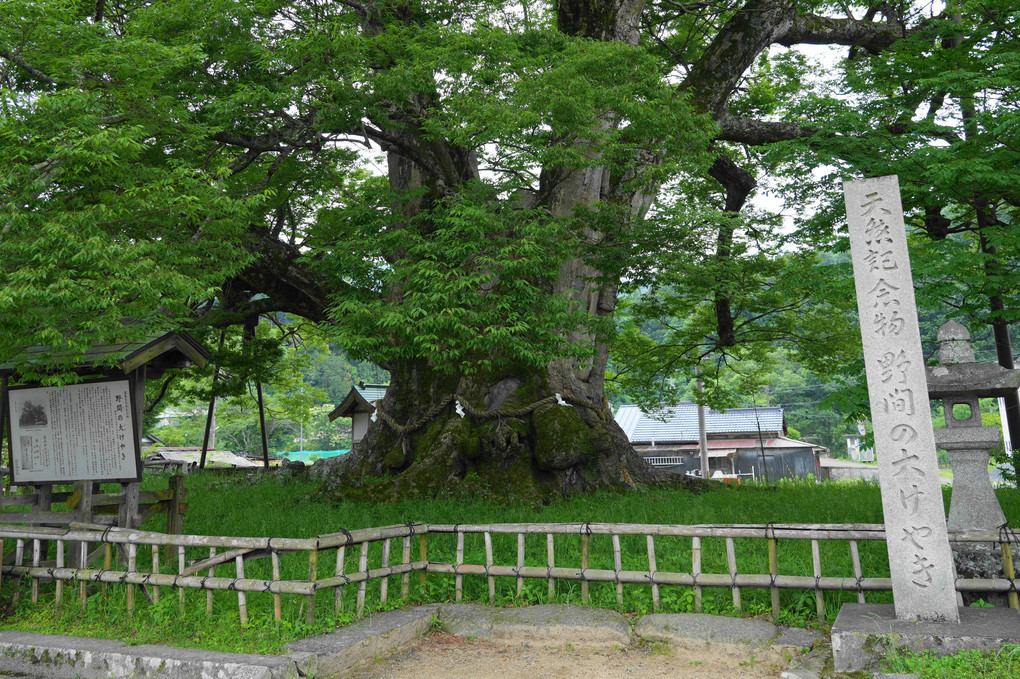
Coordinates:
458 578
731 560
384 582
488 564
405 579
313 575
696 570
209 594
423 555
36 550
242 598
585 556
855 558
551 560
362 568
83 588
107 563
19 560
618 565
180 570
520 562
338 591
773 572
60 564
816 560
132 561
1 554
1010 572
155 569
274 559
651 573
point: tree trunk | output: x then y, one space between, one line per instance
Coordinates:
513 443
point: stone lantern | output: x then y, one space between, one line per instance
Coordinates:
958 381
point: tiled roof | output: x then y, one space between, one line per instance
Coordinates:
129 355
680 422
372 392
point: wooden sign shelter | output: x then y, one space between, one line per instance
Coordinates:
61 429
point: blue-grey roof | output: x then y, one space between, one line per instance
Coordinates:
372 392
360 399
679 423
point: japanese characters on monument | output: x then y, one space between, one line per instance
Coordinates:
78 432
920 559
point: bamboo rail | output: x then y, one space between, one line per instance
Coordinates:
33 542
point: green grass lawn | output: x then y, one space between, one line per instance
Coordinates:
286 507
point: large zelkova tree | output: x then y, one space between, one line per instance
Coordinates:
454 189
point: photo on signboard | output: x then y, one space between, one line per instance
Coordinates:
33 415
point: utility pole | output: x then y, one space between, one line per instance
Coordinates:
702 433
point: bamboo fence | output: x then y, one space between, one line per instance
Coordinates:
33 544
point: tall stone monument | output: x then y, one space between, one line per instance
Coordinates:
920 559
925 616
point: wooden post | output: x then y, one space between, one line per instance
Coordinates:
855 558
210 431
819 597
36 551
774 571
1010 572
696 570
313 575
405 579
174 520
82 514
585 556
731 560
551 560
277 604
520 562
107 563
19 560
60 564
488 564
82 559
423 555
618 565
128 514
180 570
209 594
132 561
362 568
155 569
651 573
338 591
384 582
242 598
459 579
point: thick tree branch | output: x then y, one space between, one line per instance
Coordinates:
20 62
816 30
758 132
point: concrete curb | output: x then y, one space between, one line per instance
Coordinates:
333 654
56 657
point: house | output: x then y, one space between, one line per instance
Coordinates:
359 404
741 441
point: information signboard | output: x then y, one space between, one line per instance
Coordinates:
79 432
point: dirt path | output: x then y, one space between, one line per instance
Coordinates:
441 656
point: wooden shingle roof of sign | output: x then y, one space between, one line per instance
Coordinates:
360 399
159 351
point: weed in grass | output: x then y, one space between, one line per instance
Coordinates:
1002 664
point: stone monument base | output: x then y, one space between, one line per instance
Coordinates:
863 632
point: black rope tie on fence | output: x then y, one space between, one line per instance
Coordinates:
201 585
49 571
771 525
269 545
410 527
174 584
123 578
99 575
232 587
146 578
586 528
348 538
268 589
105 533
694 578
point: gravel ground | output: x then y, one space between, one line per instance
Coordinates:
441 656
